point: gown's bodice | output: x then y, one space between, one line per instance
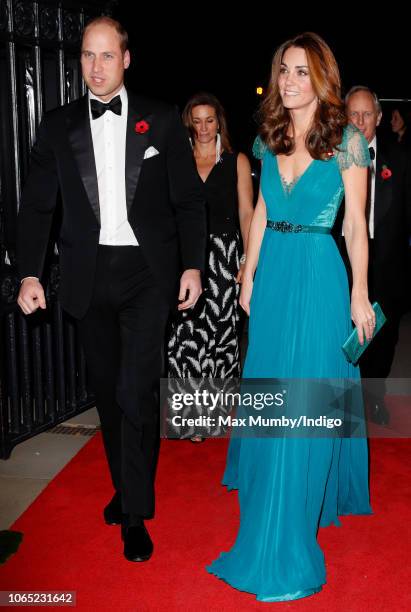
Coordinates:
314 197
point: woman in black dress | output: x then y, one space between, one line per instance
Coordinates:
204 342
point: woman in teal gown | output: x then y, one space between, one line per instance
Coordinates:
300 315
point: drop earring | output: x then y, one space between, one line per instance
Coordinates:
218 148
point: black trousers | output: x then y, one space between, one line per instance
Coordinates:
122 334
375 363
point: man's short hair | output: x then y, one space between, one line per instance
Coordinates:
357 88
104 20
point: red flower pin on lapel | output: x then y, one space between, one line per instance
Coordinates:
385 173
141 127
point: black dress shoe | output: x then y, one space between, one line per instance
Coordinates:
379 414
137 543
112 512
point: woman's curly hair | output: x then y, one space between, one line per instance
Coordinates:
326 131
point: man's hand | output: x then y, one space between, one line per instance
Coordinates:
190 282
31 296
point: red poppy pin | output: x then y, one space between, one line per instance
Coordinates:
386 173
141 127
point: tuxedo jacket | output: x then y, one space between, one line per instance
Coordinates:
165 205
392 225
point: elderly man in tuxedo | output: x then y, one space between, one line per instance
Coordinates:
133 216
389 227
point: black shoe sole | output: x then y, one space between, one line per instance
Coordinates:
381 422
112 522
138 559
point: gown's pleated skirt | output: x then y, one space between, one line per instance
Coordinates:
288 487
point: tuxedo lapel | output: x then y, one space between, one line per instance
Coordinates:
136 144
383 188
82 146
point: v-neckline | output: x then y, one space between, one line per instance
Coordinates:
288 187
211 171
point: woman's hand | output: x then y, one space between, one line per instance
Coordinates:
245 294
239 277
363 316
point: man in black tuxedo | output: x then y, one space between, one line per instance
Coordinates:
132 214
389 224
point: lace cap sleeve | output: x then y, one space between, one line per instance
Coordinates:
259 148
353 149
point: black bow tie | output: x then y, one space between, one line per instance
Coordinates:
99 108
372 153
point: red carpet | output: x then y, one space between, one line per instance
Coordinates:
66 545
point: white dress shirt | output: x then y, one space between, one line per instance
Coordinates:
109 142
372 144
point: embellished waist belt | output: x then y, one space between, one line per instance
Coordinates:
286 227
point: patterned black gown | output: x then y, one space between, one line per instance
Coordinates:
204 342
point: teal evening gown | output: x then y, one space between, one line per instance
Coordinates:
299 318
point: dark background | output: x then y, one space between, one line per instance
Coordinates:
177 52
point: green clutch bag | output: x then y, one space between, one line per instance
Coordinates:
352 348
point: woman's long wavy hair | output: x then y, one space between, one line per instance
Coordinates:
207 99
329 119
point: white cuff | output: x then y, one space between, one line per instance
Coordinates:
23 279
